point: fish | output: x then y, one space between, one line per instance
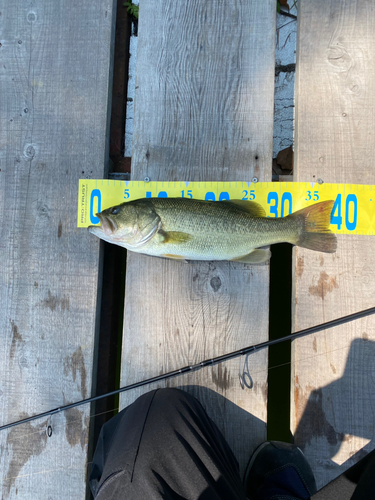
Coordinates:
191 229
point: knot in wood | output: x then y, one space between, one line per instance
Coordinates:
215 283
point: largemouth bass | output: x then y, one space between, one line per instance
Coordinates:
181 228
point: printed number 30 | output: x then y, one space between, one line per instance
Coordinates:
274 208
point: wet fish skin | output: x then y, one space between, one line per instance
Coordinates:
190 229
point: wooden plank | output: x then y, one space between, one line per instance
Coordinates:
54 79
204 112
334 390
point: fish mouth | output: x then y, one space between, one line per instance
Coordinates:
108 225
107 228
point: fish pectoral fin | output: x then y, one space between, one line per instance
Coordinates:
257 256
252 207
175 237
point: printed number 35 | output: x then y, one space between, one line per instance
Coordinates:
314 196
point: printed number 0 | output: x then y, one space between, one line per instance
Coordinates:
95 194
351 225
286 197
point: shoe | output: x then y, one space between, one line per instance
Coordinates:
279 471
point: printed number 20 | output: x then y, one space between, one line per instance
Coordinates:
210 196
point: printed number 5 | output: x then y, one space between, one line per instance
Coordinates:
126 194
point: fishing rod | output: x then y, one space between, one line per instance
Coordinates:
208 362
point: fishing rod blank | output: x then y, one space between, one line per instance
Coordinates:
208 362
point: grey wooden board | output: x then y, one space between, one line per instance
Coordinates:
54 80
203 112
334 390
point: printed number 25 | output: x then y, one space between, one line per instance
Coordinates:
248 195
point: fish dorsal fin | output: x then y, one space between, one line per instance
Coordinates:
252 207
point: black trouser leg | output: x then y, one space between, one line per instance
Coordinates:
164 445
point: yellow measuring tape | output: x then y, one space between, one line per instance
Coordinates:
353 211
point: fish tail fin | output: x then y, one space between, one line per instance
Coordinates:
314 222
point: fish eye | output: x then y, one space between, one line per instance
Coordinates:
115 210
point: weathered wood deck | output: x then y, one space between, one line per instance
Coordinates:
54 81
333 381
204 112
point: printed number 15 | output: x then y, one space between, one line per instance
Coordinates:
189 193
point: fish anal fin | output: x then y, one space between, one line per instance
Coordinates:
174 257
257 256
252 207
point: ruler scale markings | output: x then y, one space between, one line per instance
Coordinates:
110 194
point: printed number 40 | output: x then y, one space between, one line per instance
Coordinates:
351 212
